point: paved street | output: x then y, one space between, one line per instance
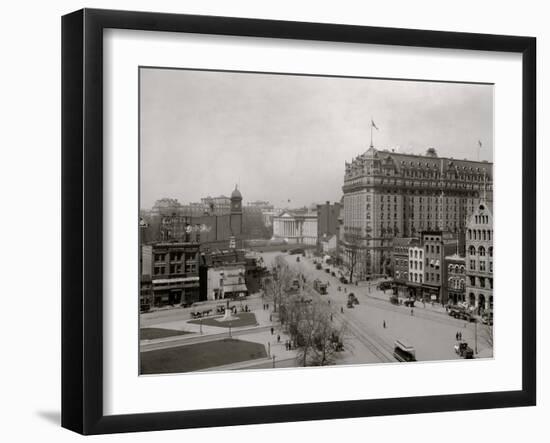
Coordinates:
429 329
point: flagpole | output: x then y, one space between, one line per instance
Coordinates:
478 149
371 145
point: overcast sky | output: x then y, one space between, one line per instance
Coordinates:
286 137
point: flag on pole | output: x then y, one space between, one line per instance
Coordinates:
479 143
373 124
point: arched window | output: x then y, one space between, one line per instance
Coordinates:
490 251
484 235
469 234
475 236
489 234
481 251
472 250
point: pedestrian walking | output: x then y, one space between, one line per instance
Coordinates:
270 317
384 324
272 331
278 338
330 317
341 309
412 311
456 336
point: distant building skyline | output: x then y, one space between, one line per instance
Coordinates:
286 138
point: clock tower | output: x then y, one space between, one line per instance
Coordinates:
236 215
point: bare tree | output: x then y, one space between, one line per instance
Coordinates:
279 284
352 250
318 339
327 340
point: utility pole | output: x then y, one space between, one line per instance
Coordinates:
475 328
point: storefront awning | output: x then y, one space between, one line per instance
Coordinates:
235 288
175 280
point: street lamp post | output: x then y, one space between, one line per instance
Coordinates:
229 329
273 360
201 325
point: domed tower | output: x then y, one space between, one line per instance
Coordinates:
236 212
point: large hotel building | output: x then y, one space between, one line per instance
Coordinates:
389 194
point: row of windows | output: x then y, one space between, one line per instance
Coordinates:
417 253
482 282
482 266
482 219
457 269
480 251
173 256
417 278
456 283
190 267
479 234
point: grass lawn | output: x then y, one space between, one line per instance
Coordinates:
200 356
152 333
243 319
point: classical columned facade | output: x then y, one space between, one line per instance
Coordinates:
296 229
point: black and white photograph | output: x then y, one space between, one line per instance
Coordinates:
291 221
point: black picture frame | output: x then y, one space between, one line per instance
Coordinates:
82 218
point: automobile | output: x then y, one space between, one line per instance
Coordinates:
344 280
464 350
283 250
318 266
327 270
320 287
220 309
409 303
461 313
403 351
352 298
333 274
394 300
384 285
145 307
196 315
296 251
349 304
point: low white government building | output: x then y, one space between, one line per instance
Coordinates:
296 228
